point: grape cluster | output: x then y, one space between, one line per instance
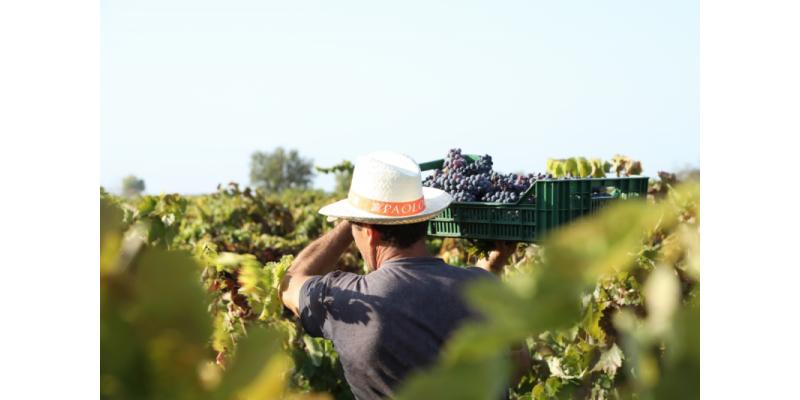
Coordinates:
476 181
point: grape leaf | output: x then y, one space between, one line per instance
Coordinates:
610 360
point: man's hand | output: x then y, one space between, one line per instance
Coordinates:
497 258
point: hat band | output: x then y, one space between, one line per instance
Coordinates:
393 208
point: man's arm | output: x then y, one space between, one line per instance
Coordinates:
318 258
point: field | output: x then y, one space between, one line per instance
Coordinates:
608 307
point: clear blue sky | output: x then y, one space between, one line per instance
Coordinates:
191 88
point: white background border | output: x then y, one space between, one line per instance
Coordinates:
49 165
749 110
49 230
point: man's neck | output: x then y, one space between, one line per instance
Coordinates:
393 253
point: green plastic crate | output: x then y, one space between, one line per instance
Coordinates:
544 206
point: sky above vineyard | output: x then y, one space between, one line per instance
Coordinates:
191 88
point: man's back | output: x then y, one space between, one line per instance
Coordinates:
388 322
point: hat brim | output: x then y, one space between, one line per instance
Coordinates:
436 201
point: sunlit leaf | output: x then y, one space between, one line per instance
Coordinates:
270 382
477 379
601 244
662 293
258 362
610 360
591 322
584 167
169 295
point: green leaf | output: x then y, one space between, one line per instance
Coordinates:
154 328
473 380
681 375
147 205
571 166
548 389
259 362
314 350
584 167
169 294
598 169
591 322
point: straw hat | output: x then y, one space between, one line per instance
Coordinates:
386 190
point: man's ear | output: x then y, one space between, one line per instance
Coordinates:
373 236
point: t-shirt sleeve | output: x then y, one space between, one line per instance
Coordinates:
317 296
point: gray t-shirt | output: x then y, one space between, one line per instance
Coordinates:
388 322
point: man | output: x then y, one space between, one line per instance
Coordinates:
396 318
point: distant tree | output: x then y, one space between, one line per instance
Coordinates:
132 186
280 170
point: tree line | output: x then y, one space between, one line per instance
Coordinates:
272 171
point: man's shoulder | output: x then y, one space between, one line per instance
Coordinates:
469 270
337 279
432 266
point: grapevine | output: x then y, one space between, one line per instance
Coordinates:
236 243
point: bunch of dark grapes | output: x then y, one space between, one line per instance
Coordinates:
476 181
